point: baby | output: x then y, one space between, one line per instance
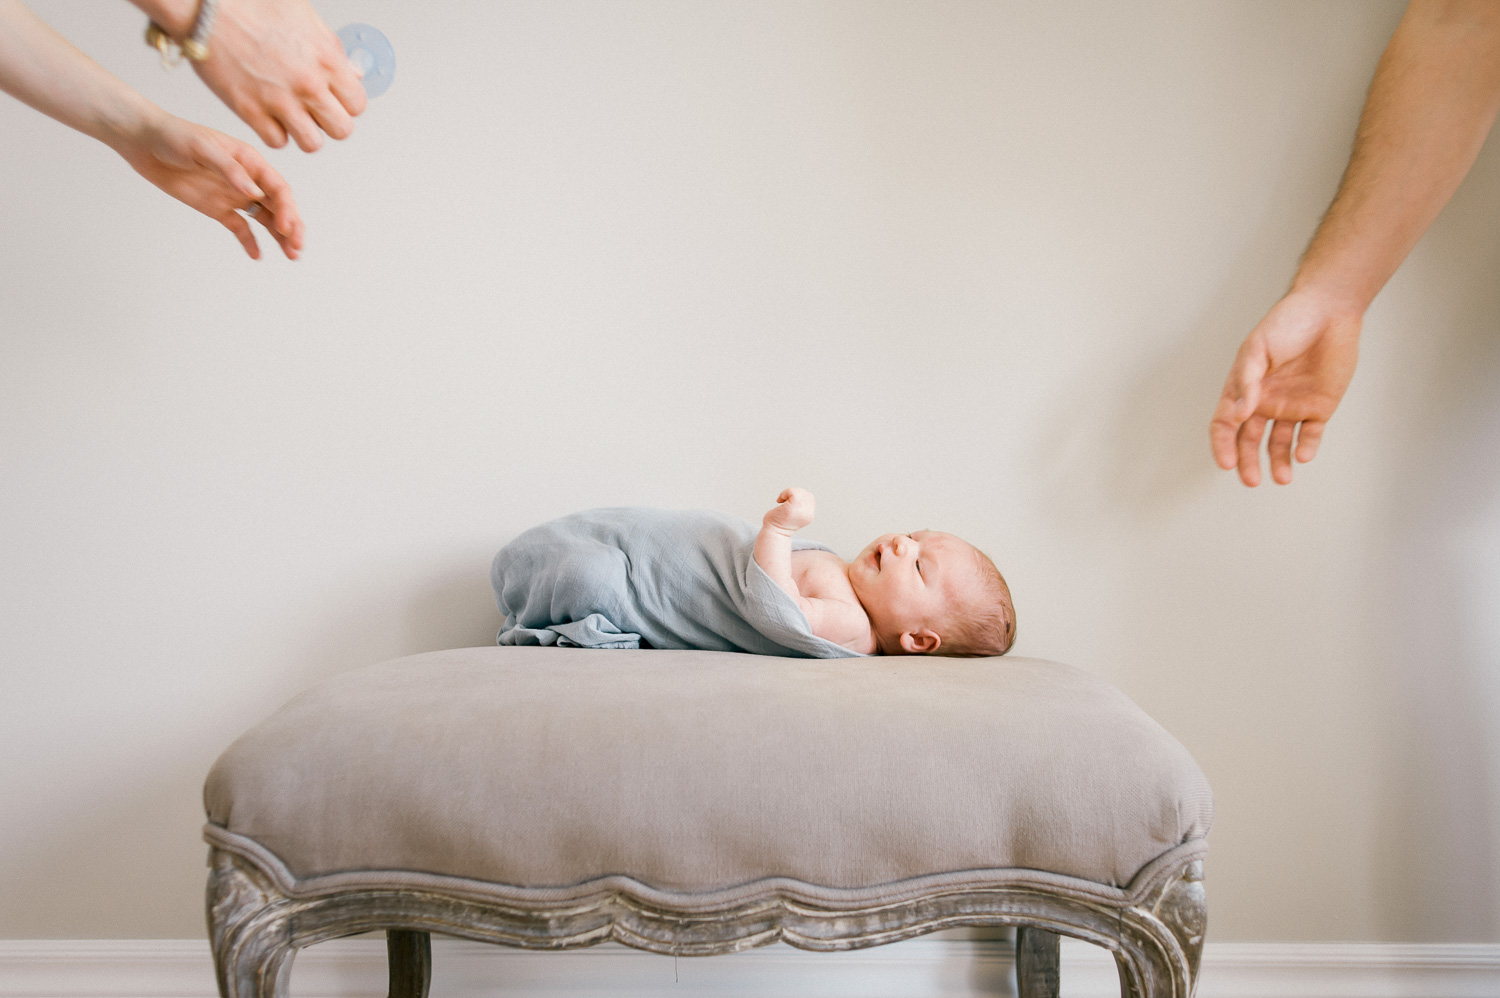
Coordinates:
635 577
921 593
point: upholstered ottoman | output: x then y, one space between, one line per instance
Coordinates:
698 802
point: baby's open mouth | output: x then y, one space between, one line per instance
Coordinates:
876 555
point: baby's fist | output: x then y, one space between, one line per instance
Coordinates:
793 511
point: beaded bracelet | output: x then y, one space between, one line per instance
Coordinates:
195 46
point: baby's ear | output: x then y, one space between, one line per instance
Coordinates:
923 642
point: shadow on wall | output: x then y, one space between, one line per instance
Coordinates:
455 608
1440 594
448 605
1139 456
108 849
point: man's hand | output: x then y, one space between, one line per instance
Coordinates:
793 510
275 64
1434 96
1293 368
215 174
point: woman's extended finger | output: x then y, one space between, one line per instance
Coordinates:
215 157
346 87
1279 449
267 127
284 221
1249 449
289 246
300 126
235 222
1308 439
330 115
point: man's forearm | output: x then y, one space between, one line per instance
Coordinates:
1433 99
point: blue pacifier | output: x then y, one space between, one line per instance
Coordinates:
371 52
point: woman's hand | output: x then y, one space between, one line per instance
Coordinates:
275 64
217 175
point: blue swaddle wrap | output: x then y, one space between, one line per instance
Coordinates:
617 578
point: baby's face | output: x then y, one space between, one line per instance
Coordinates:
907 582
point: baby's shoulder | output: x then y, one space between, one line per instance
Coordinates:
822 575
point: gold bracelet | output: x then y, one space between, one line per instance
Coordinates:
194 47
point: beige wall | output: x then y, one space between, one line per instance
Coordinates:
979 267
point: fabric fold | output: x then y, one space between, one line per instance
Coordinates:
628 577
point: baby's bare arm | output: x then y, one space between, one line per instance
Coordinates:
842 622
773 545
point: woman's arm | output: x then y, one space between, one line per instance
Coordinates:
275 64
204 169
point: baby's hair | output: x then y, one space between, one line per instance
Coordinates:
987 624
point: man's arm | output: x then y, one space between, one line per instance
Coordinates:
1431 104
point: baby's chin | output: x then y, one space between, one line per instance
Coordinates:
862 569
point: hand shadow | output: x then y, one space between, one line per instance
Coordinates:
1134 451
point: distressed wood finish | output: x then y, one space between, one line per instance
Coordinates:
255 928
1036 963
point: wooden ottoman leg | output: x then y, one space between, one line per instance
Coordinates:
410 955
1163 962
251 941
1036 963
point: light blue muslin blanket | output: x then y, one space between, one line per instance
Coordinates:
631 576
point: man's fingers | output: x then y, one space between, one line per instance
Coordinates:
1237 403
1250 366
235 222
1309 438
1279 449
1248 447
1222 431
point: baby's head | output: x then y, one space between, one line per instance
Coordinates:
931 593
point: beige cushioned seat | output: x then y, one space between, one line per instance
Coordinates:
702 777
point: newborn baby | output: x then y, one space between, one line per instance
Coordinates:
906 594
636 577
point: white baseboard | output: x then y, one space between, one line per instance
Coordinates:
919 968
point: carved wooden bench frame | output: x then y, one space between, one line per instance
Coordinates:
256 926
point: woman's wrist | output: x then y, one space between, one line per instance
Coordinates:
176 17
124 123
